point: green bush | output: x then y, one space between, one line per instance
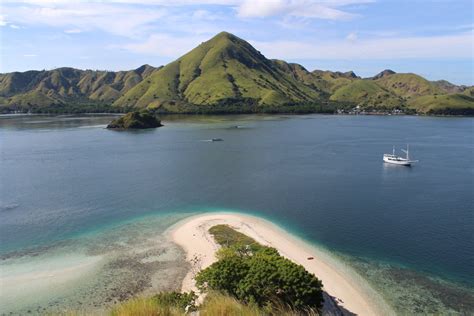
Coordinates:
259 275
182 301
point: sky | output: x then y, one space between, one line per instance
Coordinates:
433 38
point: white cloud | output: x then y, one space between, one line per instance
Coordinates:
205 15
14 26
143 2
165 45
132 18
262 8
352 36
73 31
449 46
321 9
3 21
115 19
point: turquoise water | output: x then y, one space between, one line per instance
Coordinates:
65 179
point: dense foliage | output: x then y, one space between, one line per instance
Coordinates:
136 120
181 301
256 274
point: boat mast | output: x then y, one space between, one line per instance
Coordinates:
393 150
408 150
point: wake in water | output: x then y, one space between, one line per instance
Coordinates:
8 207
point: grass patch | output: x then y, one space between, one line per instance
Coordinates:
162 304
219 304
226 236
145 307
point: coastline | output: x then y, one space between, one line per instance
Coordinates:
348 290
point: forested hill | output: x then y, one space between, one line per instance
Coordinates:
227 74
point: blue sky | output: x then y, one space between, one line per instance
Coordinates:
433 38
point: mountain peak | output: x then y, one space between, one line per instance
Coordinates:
386 72
143 68
223 70
220 50
226 39
224 34
350 74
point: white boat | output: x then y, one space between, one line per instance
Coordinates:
398 160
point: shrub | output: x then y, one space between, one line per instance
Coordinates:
182 301
259 275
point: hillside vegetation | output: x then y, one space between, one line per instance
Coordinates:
408 85
226 75
367 93
67 87
225 69
453 104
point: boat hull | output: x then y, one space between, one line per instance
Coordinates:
397 162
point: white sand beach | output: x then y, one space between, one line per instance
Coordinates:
350 291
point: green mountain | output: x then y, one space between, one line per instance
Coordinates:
367 94
383 73
469 91
223 70
324 81
408 85
448 87
68 86
406 91
454 104
226 74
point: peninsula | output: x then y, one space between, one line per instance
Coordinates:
347 291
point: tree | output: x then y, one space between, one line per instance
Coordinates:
224 275
264 278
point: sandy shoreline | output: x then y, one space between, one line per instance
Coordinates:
351 292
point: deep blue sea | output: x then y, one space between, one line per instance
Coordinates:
408 230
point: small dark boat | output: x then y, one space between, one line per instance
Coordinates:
216 139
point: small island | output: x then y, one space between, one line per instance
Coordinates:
136 120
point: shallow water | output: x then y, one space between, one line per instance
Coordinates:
69 186
92 272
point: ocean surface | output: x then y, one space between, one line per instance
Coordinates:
83 209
